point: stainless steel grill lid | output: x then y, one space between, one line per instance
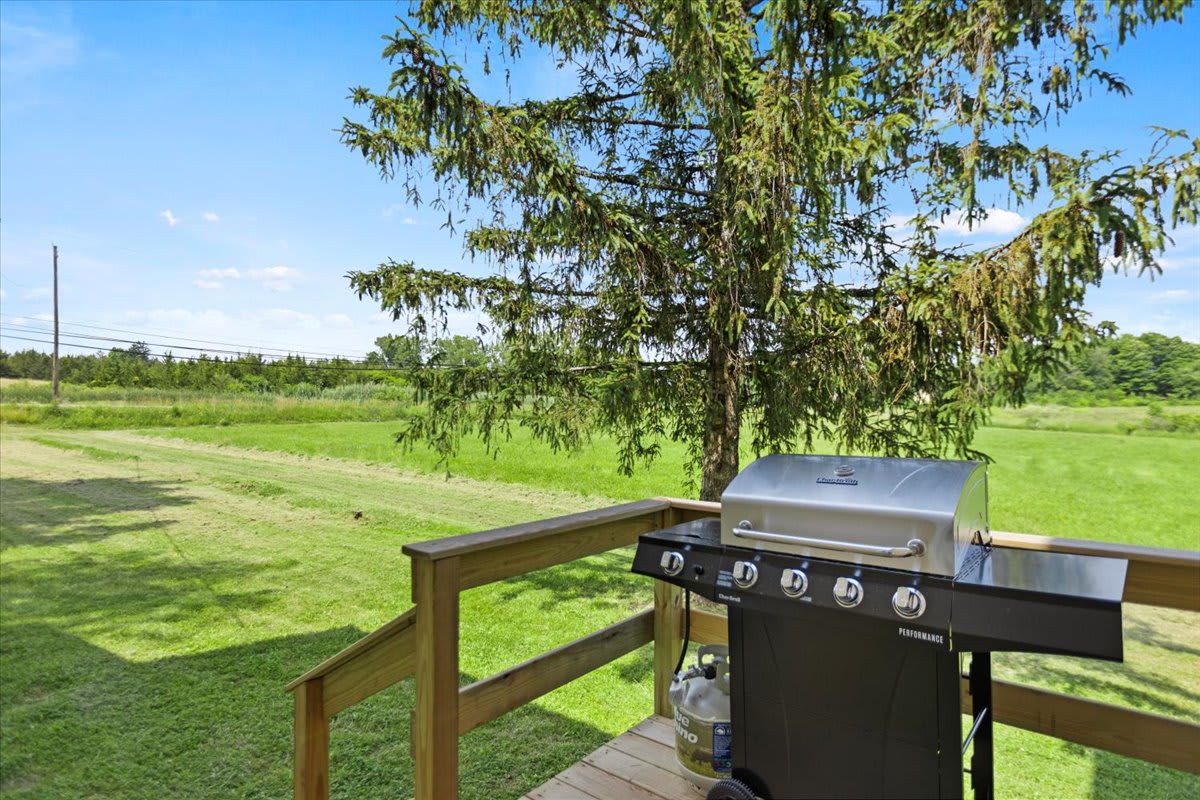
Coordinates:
901 513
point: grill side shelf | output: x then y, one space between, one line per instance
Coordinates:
1038 602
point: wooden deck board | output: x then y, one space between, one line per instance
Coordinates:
638 765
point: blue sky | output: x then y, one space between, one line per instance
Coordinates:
184 157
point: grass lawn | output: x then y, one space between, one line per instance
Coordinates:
1089 486
220 410
157 593
1125 420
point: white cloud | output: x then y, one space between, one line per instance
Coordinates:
273 272
1184 250
171 219
213 274
3 294
396 208
277 279
899 221
211 216
285 317
996 222
36 294
1182 262
1171 296
1186 327
339 320
25 49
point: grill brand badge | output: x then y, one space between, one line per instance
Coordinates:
842 478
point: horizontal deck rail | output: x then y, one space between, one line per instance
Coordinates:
503 553
485 700
424 641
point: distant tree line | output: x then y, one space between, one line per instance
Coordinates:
137 366
1149 365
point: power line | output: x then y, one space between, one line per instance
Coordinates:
194 359
205 341
169 333
246 348
169 345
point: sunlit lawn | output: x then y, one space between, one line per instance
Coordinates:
157 593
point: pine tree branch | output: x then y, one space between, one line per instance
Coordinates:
630 180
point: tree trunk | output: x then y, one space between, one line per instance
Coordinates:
719 462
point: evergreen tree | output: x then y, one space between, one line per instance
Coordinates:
697 238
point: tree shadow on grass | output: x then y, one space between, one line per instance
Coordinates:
1104 679
80 721
129 594
605 575
1137 628
78 511
1117 777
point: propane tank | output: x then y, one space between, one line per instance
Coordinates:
703 733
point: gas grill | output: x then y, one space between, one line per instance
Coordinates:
854 585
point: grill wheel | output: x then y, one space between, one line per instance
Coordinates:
730 789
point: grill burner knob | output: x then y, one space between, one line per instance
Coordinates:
848 592
908 602
672 562
793 582
745 574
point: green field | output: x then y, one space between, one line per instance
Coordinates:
156 593
115 407
1112 488
1153 419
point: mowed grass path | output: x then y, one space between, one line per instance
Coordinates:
1108 487
155 595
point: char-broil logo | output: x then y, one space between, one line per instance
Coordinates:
932 638
839 481
729 598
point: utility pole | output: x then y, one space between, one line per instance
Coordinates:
54 366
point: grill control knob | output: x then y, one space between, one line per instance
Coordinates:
745 574
793 582
908 602
848 592
672 562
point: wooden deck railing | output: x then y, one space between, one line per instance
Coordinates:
424 641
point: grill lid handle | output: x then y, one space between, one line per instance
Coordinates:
915 547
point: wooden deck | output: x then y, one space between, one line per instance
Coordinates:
638 765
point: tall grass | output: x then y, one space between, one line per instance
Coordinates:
109 408
275 410
1153 419
39 392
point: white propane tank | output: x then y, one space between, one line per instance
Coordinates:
703 733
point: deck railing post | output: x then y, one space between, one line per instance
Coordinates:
311 742
435 592
667 633
667 643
